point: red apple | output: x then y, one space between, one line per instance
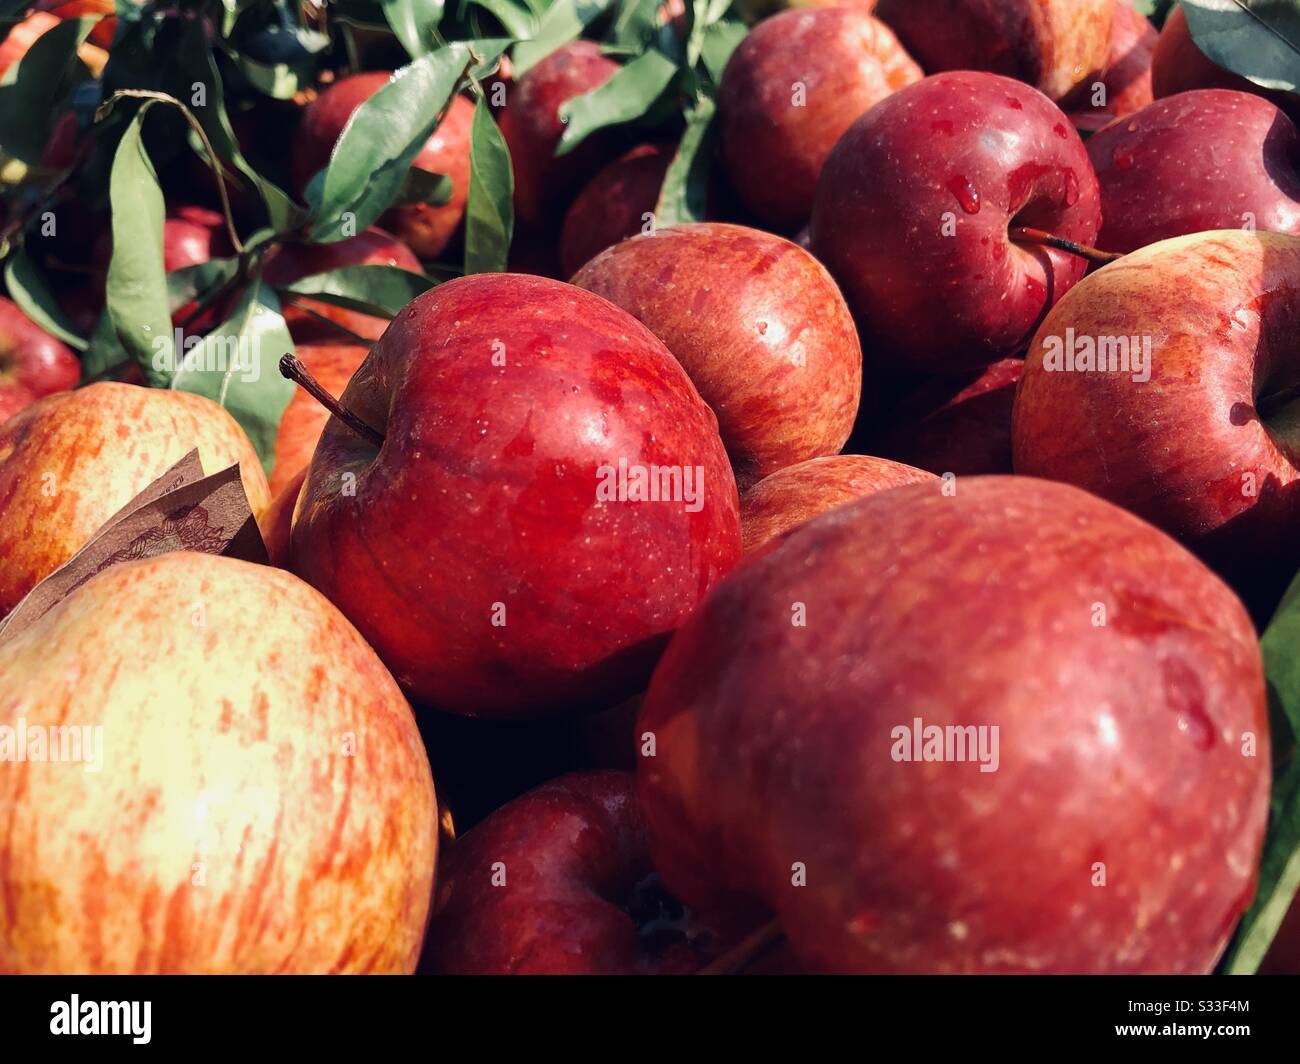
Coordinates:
790 90
959 425
1178 65
532 129
72 460
258 800
194 235
1050 44
793 496
1126 80
32 362
332 364
617 203
1209 159
425 229
1111 823
1189 419
558 882
276 522
496 550
758 324
288 263
913 209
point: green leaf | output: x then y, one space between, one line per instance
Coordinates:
636 23
626 96
1258 39
27 287
236 365
137 281
517 19
1280 646
489 211
280 81
382 138
720 40
378 290
284 214
414 23
421 186
563 22
34 86
686 184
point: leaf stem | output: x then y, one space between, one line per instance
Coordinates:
215 163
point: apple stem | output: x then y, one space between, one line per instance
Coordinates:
1040 236
748 950
295 371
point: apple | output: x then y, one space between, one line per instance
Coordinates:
792 496
426 229
1050 44
532 129
912 215
1126 78
288 263
253 796
332 364
105 29
1179 65
756 10
1111 823
70 461
759 326
959 425
193 235
1207 159
617 203
276 522
558 882
32 362
1190 420
498 550
790 90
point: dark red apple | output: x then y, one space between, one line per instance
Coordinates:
959 425
550 500
913 209
1208 159
758 324
32 362
276 522
532 129
790 90
793 496
1050 44
425 229
1125 83
193 235
288 263
1185 410
558 882
617 203
823 739
1179 65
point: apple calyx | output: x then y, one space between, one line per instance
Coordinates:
758 942
295 371
1022 234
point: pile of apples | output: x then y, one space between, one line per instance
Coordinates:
708 522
